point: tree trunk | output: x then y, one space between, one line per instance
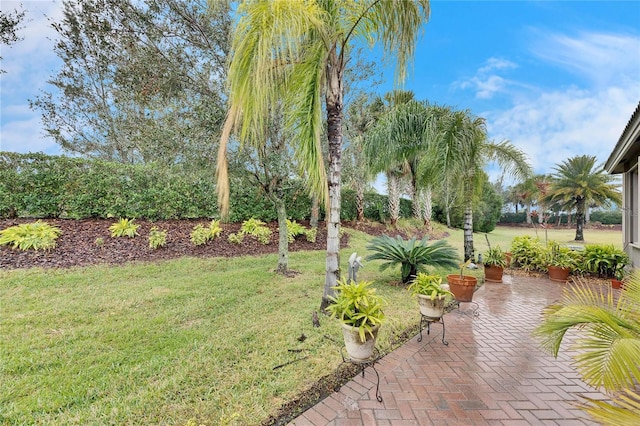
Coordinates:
580 206
528 210
315 211
334 105
415 203
360 201
393 191
468 232
426 207
283 238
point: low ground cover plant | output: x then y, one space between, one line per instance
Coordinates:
201 235
294 229
124 228
157 238
30 236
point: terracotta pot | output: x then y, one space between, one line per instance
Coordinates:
558 274
356 348
493 274
616 283
462 288
431 308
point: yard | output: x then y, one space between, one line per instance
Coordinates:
205 340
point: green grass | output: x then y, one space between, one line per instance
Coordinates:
166 342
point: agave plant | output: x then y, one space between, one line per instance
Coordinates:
608 348
412 255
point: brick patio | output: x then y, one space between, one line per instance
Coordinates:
492 372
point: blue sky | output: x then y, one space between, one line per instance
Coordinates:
556 78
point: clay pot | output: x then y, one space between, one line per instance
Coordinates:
558 274
493 274
462 287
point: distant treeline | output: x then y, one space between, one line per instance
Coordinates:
610 217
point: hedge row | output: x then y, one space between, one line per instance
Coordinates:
612 217
43 186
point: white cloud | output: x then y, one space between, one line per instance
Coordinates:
486 83
601 57
29 64
25 136
554 126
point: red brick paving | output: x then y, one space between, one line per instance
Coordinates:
492 372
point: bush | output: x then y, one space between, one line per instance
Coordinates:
124 228
520 217
528 253
157 238
612 217
35 236
604 260
412 256
201 235
294 229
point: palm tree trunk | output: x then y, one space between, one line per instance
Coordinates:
415 203
360 201
393 191
528 206
315 211
580 206
283 240
468 232
425 202
334 103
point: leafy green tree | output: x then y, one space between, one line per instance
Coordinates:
141 81
9 24
578 181
460 154
296 52
608 347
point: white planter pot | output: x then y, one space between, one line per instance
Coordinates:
356 349
432 308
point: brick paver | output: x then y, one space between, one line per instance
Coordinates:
492 372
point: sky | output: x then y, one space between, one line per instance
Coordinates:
556 78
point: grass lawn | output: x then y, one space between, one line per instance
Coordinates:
168 342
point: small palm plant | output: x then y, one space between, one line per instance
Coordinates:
608 347
412 255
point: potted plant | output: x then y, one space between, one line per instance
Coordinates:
619 260
359 310
494 263
462 286
559 262
431 295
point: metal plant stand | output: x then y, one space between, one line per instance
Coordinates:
471 312
363 364
427 321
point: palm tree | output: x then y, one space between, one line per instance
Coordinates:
608 346
297 52
578 181
460 151
397 145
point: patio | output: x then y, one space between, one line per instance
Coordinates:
491 373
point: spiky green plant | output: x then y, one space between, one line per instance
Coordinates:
608 347
412 255
124 228
357 305
35 236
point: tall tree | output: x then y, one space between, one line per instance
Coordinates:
9 24
462 151
298 51
141 81
578 181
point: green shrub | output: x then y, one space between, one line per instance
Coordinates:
528 253
37 235
236 238
612 217
311 234
157 238
294 229
411 255
604 260
124 228
256 228
201 235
